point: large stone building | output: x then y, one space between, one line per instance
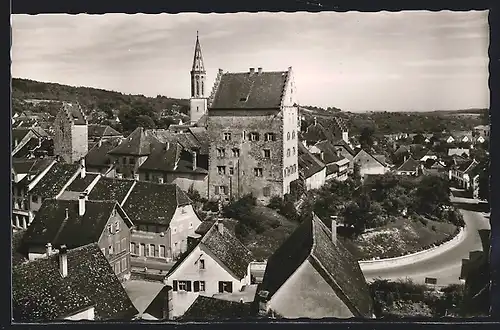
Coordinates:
71 133
253 133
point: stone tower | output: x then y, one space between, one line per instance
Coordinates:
71 133
198 101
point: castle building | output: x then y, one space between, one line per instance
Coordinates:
71 133
198 101
252 128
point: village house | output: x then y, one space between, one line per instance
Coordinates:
97 159
314 268
75 223
369 164
449 139
253 133
437 167
315 133
337 166
483 130
429 154
98 132
461 173
71 133
216 263
75 284
311 170
30 143
24 171
458 151
410 166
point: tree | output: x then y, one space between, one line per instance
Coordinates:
366 137
419 139
432 192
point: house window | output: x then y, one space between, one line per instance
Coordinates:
266 191
270 137
267 153
151 252
221 170
222 190
231 170
258 171
110 249
182 286
142 249
221 152
174 230
110 229
293 134
199 286
132 248
227 136
288 136
132 160
190 225
294 151
124 244
162 251
117 247
202 264
288 152
34 199
225 287
236 152
117 267
117 226
202 286
146 176
124 263
254 136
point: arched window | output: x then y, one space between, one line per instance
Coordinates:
202 88
197 87
293 134
288 136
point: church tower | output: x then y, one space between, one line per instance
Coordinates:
198 101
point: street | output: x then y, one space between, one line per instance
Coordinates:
444 267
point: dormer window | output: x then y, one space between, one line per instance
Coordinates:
243 99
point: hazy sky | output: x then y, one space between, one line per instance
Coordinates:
353 61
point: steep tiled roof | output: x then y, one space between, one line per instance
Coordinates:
151 202
136 144
208 308
204 227
19 133
467 166
108 189
54 180
51 225
27 149
342 143
332 168
202 122
80 184
250 91
98 154
40 293
410 165
312 240
316 132
75 113
22 166
97 131
329 152
308 164
226 248
18 257
157 306
381 159
162 159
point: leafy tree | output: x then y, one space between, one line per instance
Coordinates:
432 192
366 137
418 139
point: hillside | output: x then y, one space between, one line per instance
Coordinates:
130 109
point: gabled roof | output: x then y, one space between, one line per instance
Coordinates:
202 122
136 144
31 166
98 154
208 308
332 168
74 113
19 133
317 132
364 152
150 202
40 293
51 225
312 241
250 90
308 164
410 165
226 248
162 159
107 189
329 152
345 145
97 131
467 166
80 184
156 307
54 180
381 159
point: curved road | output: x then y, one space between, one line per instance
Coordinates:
444 267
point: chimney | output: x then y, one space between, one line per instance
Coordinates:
49 249
81 204
63 261
220 227
259 70
322 155
195 163
263 296
315 121
252 70
334 229
168 146
82 167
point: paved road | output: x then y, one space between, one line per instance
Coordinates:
446 266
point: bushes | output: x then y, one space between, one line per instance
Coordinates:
285 207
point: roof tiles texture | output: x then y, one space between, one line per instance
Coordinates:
80 184
97 131
250 90
40 293
410 165
111 189
208 308
98 154
308 164
54 180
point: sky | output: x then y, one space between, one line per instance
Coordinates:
402 61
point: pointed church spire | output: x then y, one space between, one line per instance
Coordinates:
198 58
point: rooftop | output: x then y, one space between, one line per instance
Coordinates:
247 90
54 180
98 131
108 189
308 164
410 165
40 293
80 184
98 154
209 308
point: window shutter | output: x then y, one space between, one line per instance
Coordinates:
221 287
230 287
175 285
188 286
196 286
